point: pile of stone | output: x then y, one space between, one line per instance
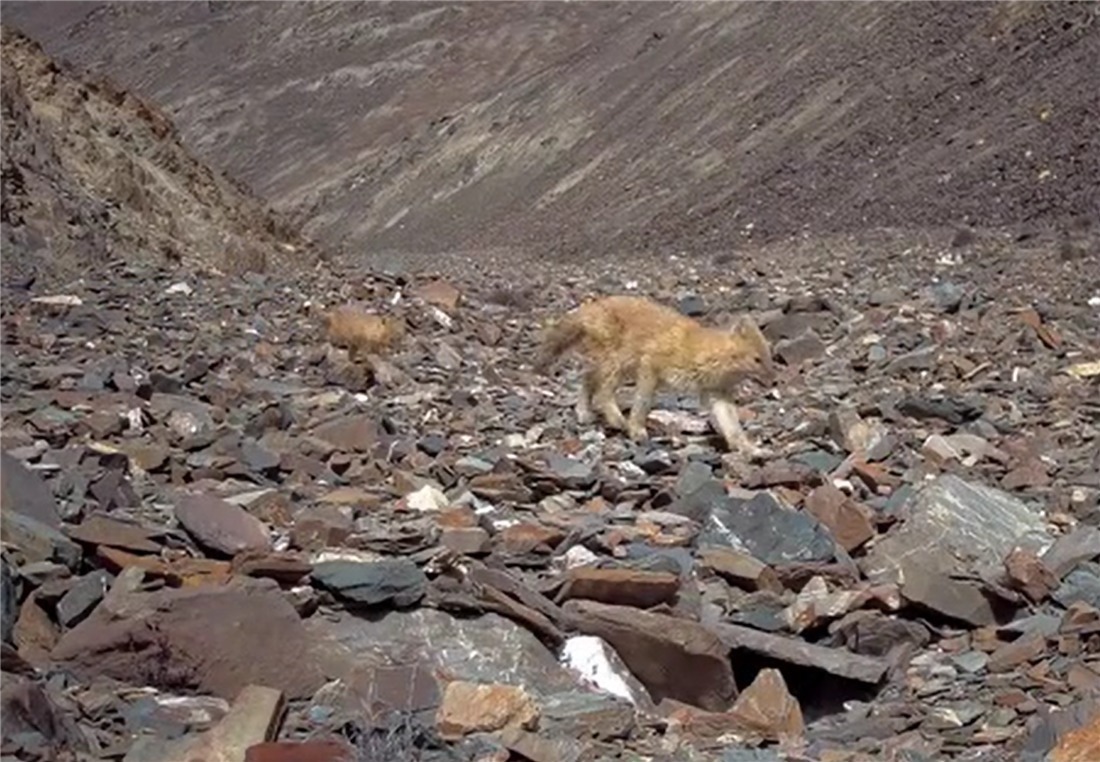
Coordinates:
221 538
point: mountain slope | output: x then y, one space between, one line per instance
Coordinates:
582 127
93 174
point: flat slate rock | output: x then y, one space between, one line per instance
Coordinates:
835 661
771 531
396 581
954 525
25 492
217 639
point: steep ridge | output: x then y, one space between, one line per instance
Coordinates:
92 174
585 127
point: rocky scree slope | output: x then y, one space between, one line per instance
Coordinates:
597 127
92 174
208 514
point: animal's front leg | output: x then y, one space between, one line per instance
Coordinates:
645 389
728 423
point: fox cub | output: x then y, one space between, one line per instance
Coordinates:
623 336
361 332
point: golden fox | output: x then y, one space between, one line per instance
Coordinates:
361 332
621 336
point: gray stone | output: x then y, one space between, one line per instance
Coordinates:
971 661
694 476
963 601
220 525
768 529
806 347
1044 624
947 296
819 460
396 581
749 755
835 661
25 492
9 600
885 295
1081 584
82 597
1070 550
448 357
700 502
486 649
954 411
569 472
692 306
924 358
676 561
957 714
762 615
257 457
35 541
580 714
953 525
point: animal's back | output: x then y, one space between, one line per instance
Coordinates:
634 327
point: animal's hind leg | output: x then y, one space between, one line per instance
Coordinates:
585 416
603 398
645 388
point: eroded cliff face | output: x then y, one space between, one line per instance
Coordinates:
93 174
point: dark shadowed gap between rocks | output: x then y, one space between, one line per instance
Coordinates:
818 693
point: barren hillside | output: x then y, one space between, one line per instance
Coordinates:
557 127
92 174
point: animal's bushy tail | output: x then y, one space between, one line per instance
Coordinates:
558 339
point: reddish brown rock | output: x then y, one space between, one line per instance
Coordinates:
98 529
215 639
439 293
356 433
1028 574
527 537
768 709
478 708
674 658
466 541
303 751
221 526
1020 651
34 634
741 569
317 532
1080 616
287 568
1030 473
456 518
624 587
847 520
181 572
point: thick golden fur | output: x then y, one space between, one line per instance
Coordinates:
620 337
360 332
